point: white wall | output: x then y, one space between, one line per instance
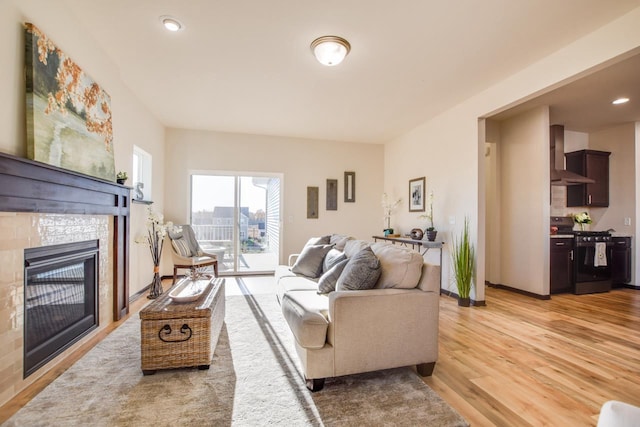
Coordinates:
303 162
448 148
132 123
524 207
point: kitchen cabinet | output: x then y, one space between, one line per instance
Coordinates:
592 164
621 260
561 265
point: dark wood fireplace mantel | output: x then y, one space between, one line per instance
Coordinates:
29 186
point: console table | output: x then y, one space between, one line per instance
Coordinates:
406 241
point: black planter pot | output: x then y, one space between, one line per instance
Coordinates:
431 235
121 181
464 302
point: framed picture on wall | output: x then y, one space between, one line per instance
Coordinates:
416 194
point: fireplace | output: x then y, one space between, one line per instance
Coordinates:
60 299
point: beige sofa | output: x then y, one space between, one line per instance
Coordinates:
352 331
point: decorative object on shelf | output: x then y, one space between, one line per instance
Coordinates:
582 219
156 231
332 194
349 187
416 195
431 231
416 234
122 177
388 208
68 113
138 194
312 202
463 261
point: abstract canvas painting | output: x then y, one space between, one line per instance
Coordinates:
68 114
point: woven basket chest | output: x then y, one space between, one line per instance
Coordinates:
182 334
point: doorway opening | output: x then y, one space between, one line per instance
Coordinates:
237 217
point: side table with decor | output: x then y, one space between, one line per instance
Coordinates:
181 328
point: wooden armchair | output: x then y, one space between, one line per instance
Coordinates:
187 253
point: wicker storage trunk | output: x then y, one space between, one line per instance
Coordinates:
177 335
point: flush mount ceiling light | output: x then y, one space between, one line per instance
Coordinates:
330 50
171 23
620 101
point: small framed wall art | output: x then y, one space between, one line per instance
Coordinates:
312 202
416 194
350 187
332 194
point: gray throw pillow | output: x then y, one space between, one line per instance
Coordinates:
361 272
333 257
309 263
315 241
328 280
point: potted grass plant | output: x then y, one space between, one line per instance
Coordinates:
463 261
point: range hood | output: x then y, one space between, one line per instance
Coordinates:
560 176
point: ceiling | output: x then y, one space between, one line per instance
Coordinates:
246 66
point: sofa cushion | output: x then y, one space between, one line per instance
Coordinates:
309 263
294 283
306 312
328 280
401 267
339 240
333 257
361 272
352 247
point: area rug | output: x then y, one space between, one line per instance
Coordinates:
254 380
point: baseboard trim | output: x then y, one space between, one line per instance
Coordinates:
454 295
517 291
139 294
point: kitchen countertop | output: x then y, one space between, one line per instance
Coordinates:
561 236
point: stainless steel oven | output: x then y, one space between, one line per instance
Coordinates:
592 261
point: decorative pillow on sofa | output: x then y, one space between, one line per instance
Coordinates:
328 280
354 246
361 272
181 246
401 267
333 257
309 263
314 241
339 240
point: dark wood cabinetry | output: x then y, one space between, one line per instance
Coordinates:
561 265
592 164
621 260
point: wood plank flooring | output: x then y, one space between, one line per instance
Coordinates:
526 362
516 362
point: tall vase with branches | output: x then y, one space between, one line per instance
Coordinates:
388 206
156 232
463 261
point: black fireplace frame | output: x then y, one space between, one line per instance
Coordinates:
45 258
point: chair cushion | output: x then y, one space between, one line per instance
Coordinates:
361 272
306 312
333 257
328 280
309 263
181 247
401 267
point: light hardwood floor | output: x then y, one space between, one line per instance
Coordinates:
516 362
526 362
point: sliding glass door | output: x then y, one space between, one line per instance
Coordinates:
237 217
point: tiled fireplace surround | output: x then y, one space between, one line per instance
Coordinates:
64 220
19 231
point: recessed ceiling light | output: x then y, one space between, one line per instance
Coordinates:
620 101
171 23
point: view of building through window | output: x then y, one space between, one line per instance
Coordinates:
238 219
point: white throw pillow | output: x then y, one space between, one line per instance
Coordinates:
309 263
401 267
